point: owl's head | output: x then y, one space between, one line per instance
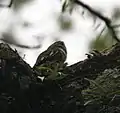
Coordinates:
56 52
58 44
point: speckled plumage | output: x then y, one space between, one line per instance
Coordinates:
55 53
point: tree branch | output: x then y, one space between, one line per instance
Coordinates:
106 20
11 2
20 45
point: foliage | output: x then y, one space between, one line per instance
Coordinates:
22 90
65 22
104 91
102 42
104 39
85 87
18 3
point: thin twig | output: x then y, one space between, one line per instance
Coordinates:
100 34
100 16
10 4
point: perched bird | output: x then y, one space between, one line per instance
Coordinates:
57 52
52 59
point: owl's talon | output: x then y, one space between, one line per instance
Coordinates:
94 53
89 55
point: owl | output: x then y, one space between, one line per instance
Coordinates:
57 52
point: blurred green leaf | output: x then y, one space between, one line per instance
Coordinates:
18 3
102 42
65 22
